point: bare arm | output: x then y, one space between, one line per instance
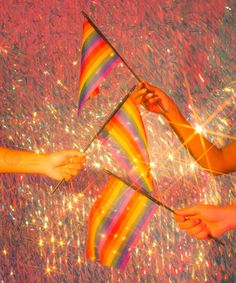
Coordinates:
58 165
217 161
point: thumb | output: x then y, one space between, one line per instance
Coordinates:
187 211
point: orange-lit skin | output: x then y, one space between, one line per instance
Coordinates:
214 160
58 165
203 220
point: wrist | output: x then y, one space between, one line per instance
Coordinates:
43 161
230 216
172 113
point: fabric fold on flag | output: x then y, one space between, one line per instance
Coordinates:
121 214
125 138
97 61
116 222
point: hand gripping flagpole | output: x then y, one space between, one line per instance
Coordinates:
144 193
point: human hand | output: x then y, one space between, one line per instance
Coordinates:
205 221
64 164
152 98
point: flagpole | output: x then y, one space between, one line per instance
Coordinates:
101 129
110 117
142 192
103 36
114 49
57 186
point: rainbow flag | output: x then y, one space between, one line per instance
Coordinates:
97 61
116 222
125 137
120 214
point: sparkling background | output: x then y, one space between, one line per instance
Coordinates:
187 48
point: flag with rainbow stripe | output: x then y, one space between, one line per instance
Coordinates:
125 137
116 222
97 61
120 214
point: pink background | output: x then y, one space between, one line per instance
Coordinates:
186 48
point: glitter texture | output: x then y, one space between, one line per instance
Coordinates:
187 48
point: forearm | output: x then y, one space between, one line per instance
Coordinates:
15 161
230 216
203 151
217 161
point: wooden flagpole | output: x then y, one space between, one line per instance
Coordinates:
101 129
118 54
111 116
103 36
140 191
